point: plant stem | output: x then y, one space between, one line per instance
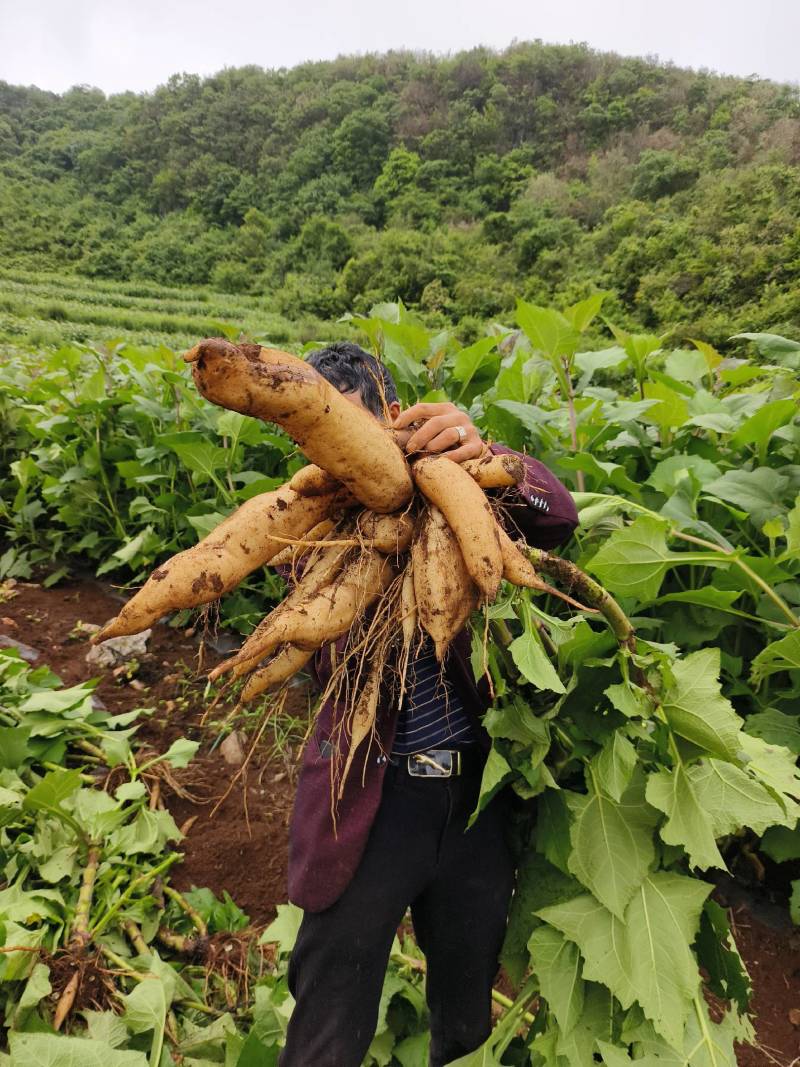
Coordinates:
588 590
183 903
148 876
573 421
768 591
497 996
80 925
135 937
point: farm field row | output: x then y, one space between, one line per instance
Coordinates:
44 309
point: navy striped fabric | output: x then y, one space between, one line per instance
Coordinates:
432 715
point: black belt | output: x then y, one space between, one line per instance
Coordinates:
440 762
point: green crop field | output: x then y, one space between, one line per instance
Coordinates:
47 309
658 761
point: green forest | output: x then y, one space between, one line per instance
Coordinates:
453 184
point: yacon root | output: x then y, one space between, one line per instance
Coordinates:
346 440
240 544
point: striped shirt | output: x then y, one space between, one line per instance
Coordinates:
432 715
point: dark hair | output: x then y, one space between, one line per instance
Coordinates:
352 370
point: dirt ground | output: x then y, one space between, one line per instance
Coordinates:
240 845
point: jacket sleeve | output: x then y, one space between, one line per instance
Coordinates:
540 507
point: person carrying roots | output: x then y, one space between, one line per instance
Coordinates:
391 542
399 838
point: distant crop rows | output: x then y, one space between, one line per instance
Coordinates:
48 309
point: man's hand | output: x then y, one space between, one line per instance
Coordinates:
434 430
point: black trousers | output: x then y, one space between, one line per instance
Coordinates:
458 885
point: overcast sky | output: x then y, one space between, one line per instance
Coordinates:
138 44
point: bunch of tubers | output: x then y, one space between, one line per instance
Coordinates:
361 528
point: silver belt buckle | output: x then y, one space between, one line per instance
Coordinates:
435 763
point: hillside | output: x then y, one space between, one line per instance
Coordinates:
452 183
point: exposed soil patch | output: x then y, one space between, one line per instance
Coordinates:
241 846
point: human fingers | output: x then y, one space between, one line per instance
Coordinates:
422 411
432 427
453 437
471 449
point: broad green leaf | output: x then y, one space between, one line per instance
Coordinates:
639 346
580 315
106 1026
284 928
557 965
518 722
496 773
771 345
782 655
710 354
733 798
13 746
630 700
533 662
58 1050
49 794
588 362
612 844
793 532
204 524
776 728
758 492
773 766
758 429
552 828
688 825
539 885
634 560
696 709
671 409
148 833
468 361
196 452
670 471
717 953
130 791
36 988
781 843
686 365
146 1009
548 330
705 597
413 1051
613 766
647 956
181 752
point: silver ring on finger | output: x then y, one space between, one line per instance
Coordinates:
462 433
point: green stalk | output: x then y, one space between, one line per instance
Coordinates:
587 590
80 925
106 485
183 903
497 996
135 938
148 876
768 591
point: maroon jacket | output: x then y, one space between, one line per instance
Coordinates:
323 856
